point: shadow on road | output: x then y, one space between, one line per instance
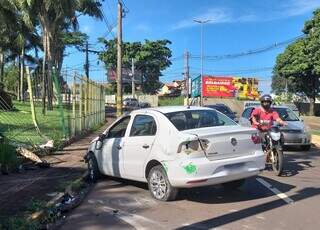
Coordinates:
217 194
294 163
252 211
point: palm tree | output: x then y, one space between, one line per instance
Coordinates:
53 15
17 36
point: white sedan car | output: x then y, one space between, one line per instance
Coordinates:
176 147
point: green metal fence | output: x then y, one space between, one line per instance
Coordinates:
78 106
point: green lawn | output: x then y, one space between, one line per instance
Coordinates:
315 132
18 126
164 101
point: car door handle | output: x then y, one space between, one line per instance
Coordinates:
119 147
145 146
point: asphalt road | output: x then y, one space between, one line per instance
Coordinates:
265 202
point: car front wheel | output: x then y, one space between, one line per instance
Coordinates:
159 185
93 170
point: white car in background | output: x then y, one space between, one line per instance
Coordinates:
176 147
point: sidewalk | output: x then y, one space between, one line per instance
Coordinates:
17 190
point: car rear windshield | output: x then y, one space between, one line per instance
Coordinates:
287 114
222 109
195 119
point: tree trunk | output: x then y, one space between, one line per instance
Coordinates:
19 82
22 74
312 105
1 65
49 72
44 76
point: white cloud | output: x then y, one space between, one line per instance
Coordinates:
143 28
299 7
215 15
86 29
283 9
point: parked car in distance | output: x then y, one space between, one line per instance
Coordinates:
293 107
251 104
130 102
294 134
225 110
176 147
144 104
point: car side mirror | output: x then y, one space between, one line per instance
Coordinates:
99 142
301 119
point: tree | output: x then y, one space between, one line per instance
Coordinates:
299 64
53 16
151 57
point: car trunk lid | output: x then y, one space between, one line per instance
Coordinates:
226 142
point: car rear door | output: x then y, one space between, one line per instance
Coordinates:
138 145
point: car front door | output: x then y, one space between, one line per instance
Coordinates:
112 150
138 145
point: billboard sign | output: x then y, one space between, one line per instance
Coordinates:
218 87
126 76
196 87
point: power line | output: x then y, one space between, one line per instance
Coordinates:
249 52
243 70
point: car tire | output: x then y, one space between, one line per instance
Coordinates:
305 147
232 185
93 169
159 185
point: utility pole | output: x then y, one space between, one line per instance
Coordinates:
286 89
186 75
201 22
133 90
119 60
86 66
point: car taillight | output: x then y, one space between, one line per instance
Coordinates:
193 146
256 138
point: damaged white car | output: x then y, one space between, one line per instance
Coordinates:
176 147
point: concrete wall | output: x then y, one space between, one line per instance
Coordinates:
304 108
152 99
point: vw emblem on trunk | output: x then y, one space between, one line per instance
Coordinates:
234 141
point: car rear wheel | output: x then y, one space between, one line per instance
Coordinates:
234 184
305 147
159 185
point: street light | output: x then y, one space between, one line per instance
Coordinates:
201 22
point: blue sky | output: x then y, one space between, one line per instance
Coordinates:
234 27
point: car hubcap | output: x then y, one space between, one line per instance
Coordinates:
158 185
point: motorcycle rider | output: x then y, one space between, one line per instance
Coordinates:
263 117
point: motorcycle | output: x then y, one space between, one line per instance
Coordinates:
273 149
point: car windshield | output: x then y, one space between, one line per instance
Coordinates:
194 119
287 114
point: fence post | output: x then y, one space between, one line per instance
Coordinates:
103 109
80 105
74 129
85 103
